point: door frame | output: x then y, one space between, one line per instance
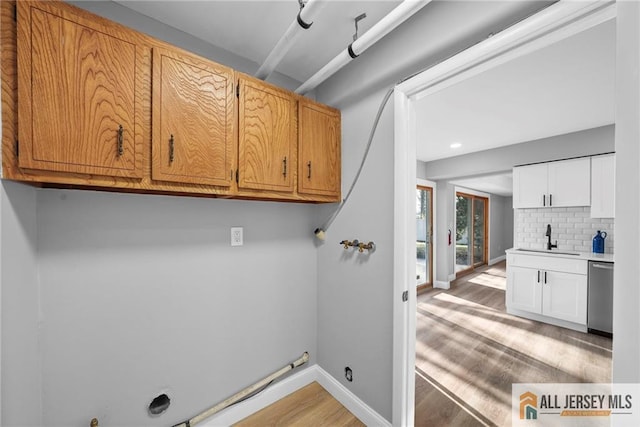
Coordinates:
556 22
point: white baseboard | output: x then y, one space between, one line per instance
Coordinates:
440 284
291 384
452 277
497 260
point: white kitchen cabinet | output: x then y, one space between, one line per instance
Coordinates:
548 286
554 184
603 186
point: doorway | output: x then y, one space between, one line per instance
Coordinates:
471 232
424 237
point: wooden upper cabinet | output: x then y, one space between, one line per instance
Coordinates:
318 149
267 136
77 94
192 115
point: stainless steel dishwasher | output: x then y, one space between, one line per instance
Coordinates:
600 300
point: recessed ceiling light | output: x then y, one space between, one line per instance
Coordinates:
456 145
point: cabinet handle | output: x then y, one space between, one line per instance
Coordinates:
284 166
545 277
544 200
538 276
550 199
120 141
171 153
309 166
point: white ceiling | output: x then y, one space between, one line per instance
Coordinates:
251 28
566 87
500 184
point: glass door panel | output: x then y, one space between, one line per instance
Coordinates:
463 228
424 228
479 237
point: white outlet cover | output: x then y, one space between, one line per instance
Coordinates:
237 236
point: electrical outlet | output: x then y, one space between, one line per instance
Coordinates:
348 374
236 236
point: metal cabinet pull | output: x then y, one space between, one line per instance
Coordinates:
171 154
544 200
309 166
538 276
545 277
120 141
284 166
550 199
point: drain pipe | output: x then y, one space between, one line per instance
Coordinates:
303 21
397 16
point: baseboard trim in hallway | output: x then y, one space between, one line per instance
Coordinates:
291 384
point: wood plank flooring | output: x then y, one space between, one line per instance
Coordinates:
469 352
310 406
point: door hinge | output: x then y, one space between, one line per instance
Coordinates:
405 296
17 148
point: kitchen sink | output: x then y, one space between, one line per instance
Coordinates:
544 251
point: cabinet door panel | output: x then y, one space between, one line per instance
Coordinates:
530 186
192 120
570 182
319 150
564 296
524 289
77 97
267 135
603 186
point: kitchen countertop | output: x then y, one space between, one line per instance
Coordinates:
587 256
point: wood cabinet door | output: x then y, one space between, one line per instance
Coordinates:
78 99
192 115
524 289
267 135
565 296
570 182
530 186
318 149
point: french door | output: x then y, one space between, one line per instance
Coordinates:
424 238
471 232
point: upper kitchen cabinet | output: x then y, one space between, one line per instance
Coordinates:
192 119
267 134
318 149
78 101
603 186
555 184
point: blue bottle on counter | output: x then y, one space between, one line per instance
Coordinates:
598 242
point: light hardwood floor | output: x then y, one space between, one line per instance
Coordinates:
310 406
469 352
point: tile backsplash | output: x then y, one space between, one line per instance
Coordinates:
573 228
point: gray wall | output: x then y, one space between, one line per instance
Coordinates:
143 294
626 295
582 143
500 225
21 373
355 293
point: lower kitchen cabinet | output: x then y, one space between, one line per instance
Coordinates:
555 288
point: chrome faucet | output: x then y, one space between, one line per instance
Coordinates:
548 234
